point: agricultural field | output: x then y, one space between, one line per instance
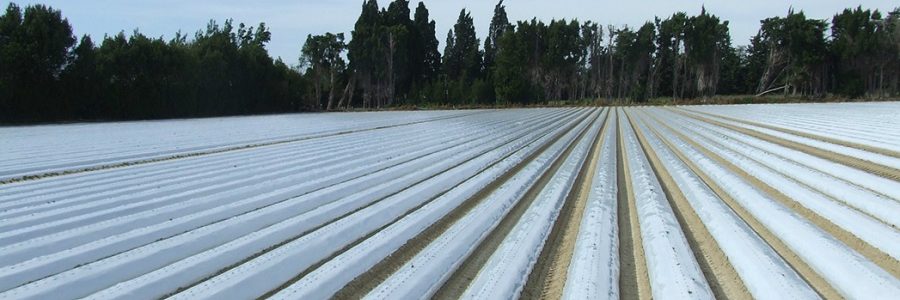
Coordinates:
694 202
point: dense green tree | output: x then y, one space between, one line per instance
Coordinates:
462 61
511 83
80 80
706 38
34 47
861 44
394 60
634 50
558 60
669 67
400 42
592 63
499 25
427 59
221 71
11 67
463 54
450 62
393 57
754 63
892 53
362 50
215 49
561 55
731 75
796 54
323 54
641 53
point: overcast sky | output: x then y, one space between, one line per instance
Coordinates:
291 21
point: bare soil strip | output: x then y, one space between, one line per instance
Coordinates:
880 170
364 283
78 170
877 256
458 282
794 177
634 281
313 229
299 234
805 271
887 152
723 279
548 278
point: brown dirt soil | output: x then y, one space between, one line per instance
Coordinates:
364 283
634 282
805 271
458 282
720 274
548 278
877 256
880 170
882 151
202 153
843 201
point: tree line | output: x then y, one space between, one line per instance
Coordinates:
392 58
46 75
